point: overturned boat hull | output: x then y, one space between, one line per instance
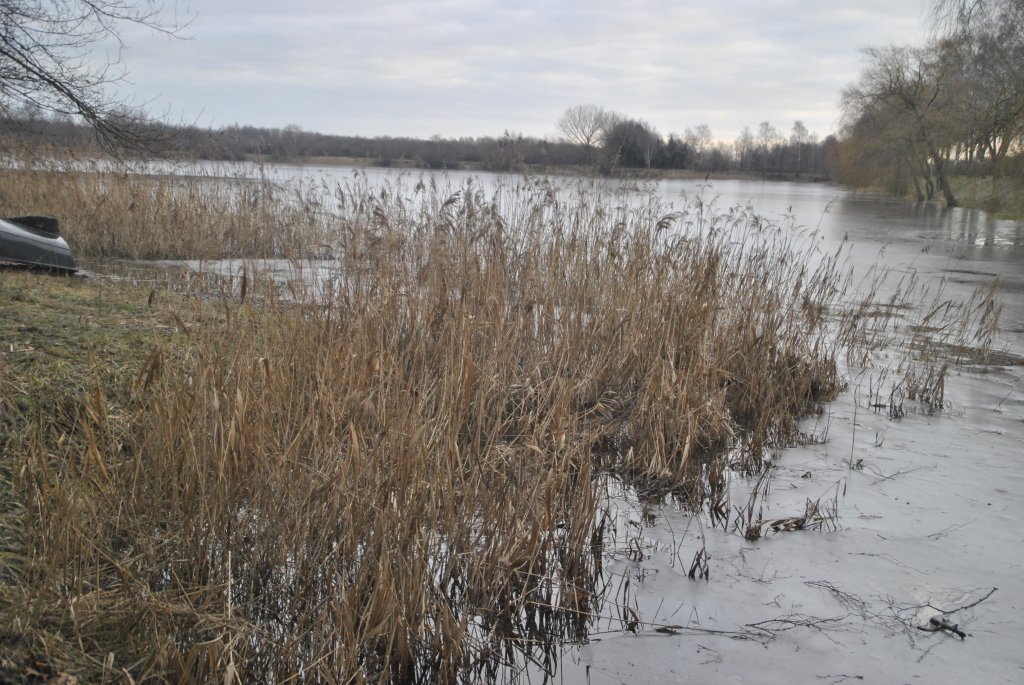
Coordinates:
35 241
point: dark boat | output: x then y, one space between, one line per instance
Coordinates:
35 241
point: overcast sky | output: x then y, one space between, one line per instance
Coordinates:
480 67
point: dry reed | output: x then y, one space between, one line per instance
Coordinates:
142 213
391 473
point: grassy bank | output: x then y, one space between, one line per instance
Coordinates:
70 354
977 192
392 471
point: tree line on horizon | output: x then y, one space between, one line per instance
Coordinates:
614 143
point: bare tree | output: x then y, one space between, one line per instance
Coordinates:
744 145
700 140
797 139
800 134
47 60
584 125
767 136
768 140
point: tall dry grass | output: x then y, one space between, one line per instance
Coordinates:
906 335
392 474
137 212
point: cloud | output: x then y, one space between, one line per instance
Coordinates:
454 67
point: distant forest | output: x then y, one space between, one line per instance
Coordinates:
618 145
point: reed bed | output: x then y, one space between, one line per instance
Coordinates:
147 212
905 341
393 472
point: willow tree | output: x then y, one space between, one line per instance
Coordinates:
988 38
957 16
906 93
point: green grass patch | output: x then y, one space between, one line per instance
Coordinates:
977 192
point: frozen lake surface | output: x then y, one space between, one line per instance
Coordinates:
930 523
931 513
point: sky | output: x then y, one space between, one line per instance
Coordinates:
474 68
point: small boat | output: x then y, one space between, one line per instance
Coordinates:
35 241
